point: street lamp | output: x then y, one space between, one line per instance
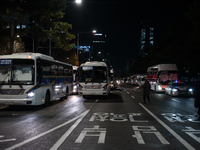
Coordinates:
78 1
94 31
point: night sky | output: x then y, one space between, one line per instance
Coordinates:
121 21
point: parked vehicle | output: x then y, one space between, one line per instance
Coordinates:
175 89
160 75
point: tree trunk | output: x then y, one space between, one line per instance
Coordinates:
12 38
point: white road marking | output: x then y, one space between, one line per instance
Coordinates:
132 96
127 92
69 131
44 133
176 100
95 131
7 140
185 143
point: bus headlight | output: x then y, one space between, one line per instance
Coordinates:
74 88
31 94
159 87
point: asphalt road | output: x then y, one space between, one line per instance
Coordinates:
118 122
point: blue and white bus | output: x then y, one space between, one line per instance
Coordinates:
33 79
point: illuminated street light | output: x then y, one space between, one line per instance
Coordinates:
78 1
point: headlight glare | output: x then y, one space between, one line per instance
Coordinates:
31 94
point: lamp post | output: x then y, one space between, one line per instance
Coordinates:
94 31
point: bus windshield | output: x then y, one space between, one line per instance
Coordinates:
93 74
16 71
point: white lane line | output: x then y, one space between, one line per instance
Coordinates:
132 96
185 143
44 133
69 131
127 92
176 100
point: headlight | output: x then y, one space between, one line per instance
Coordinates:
74 88
190 90
159 87
31 94
174 90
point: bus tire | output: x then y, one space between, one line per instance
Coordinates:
67 93
155 89
47 98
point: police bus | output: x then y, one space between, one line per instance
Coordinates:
75 79
160 75
33 79
94 79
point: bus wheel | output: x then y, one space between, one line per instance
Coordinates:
47 98
155 89
67 93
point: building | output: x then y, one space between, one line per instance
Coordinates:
99 47
146 37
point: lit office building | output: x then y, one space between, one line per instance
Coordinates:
146 37
99 47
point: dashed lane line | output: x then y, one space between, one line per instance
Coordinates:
132 96
176 100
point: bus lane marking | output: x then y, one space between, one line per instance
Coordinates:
192 133
95 131
47 132
179 138
68 132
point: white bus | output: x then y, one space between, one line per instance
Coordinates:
94 79
75 79
160 75
33 79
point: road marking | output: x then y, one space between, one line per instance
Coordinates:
44 133
185 143
69 131
127 92
176 100
7 140
95 131
132 96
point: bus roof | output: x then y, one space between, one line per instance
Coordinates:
30 55
94 63
27 55
163 67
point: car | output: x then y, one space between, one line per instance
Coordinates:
175 89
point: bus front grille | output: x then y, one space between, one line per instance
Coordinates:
12 91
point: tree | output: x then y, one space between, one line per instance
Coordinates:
41 16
